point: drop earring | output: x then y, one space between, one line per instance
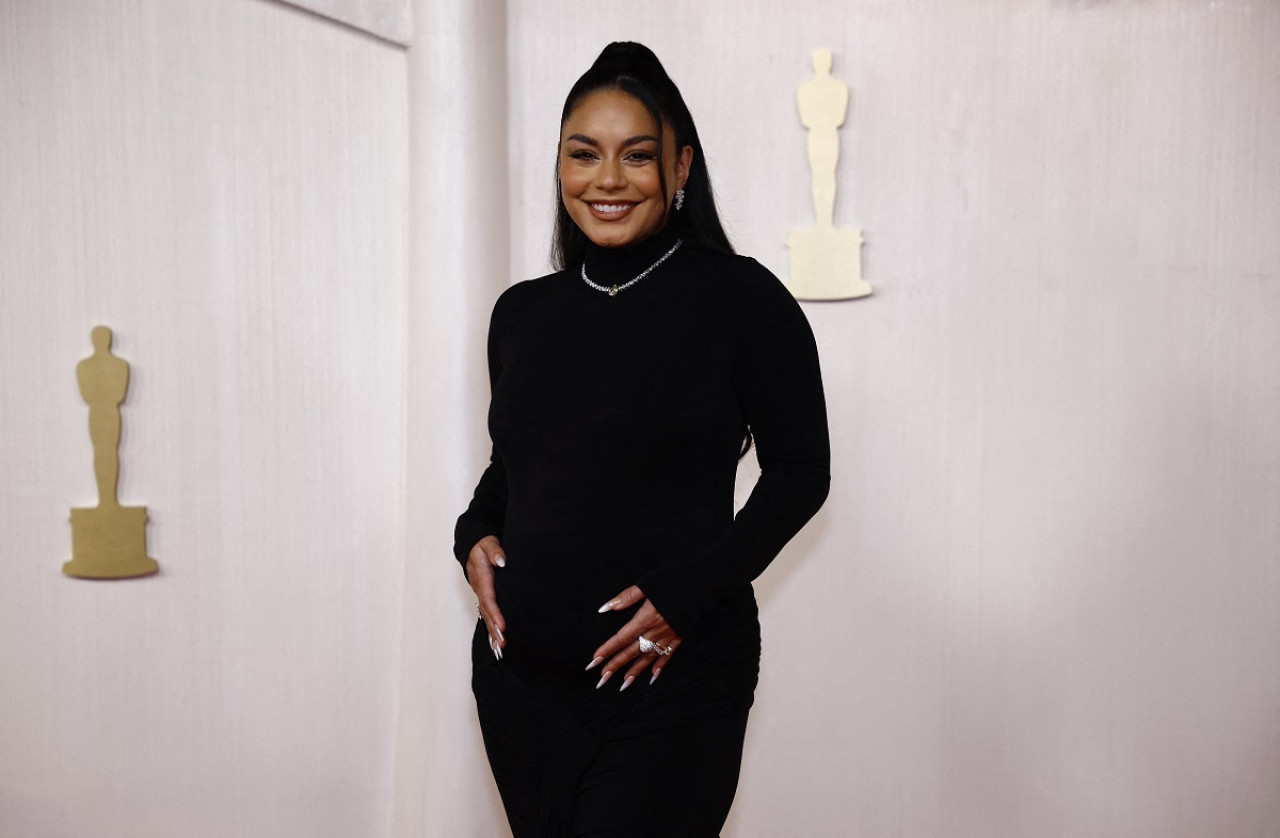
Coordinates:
679 199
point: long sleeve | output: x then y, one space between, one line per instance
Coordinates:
487 511
779 387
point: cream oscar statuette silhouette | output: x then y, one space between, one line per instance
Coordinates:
108 541
825 263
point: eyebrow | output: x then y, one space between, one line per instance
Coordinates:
629 141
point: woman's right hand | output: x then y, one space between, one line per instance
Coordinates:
483 560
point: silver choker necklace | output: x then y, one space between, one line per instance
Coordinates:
612 290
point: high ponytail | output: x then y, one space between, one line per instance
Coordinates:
633 69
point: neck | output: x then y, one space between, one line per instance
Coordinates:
611 264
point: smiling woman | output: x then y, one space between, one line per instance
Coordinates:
614 182
617 421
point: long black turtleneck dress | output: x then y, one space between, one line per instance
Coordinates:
617 424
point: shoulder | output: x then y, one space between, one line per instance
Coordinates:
531 294
753 291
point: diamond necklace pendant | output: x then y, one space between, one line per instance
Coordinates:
612 290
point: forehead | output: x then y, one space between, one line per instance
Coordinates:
607 113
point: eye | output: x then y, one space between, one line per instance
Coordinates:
641 156
582 154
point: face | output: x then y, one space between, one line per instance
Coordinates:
609 169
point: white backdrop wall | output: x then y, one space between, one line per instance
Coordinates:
1043 599
388 19
459 262
1044 596
225 185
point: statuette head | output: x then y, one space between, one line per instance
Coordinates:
101 337
822 60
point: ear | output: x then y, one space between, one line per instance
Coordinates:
683 162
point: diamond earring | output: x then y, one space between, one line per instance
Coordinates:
679 199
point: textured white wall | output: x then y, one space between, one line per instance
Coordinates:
459 266
225 184
1044 597
388 19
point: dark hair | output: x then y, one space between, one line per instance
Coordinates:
634 69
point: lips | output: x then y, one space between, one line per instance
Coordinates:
609 209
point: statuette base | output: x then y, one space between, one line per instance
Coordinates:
826 264
109 542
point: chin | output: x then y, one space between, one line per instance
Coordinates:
604 236
614 239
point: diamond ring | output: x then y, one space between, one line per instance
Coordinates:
647 646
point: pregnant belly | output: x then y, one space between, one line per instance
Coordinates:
551 604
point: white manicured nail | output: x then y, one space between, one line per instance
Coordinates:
655 677
499 631
626 683
609 606
603 678
594 663
500 561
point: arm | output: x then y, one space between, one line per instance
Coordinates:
486 512
779 386
478 531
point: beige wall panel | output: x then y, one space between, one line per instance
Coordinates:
224 184
459 264
1043 598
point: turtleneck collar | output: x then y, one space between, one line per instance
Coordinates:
607 265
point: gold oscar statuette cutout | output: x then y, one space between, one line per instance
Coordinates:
108 541
825 263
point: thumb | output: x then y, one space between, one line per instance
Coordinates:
491 551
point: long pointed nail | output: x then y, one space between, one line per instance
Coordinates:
655 677
608 606
594 663
500 561
500 637
603 678
626 683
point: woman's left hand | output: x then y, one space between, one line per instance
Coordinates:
623 649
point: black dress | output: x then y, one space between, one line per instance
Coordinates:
617 424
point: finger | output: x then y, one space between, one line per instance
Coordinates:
492 616
639 665
660 661
617 662
643 660
481 577
496 638
624 637
647 622
622 601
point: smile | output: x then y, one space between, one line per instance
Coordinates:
609 209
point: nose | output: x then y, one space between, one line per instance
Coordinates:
611 175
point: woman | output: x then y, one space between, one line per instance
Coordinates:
625 387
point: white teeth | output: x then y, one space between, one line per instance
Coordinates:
610 207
